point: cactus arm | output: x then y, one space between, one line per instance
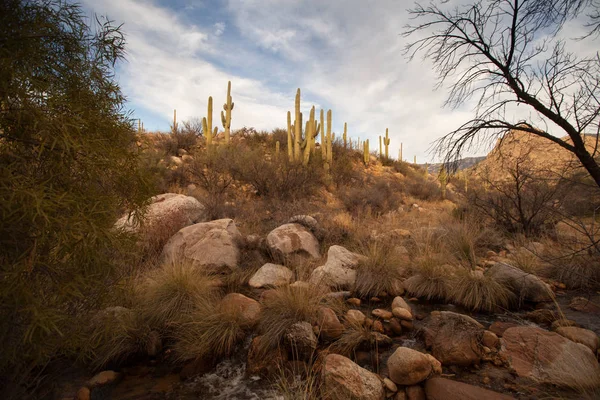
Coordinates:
345 131
174 121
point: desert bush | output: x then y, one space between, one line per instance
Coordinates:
342 170
466 240
286 306
479 292
377 196
172 292
422 188
68 167
192 127
170 143
576 270
381 271
432 281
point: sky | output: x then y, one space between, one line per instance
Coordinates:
344 55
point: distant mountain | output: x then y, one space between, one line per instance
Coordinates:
463 163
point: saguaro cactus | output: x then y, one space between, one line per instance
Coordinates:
323 139
226 117
329 140
207 123
277 149
400 155
443 178
386 143
298 127
345 136
290 145
310 133
174 121
366 155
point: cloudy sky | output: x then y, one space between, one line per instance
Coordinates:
345 55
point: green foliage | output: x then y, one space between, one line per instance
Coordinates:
68 167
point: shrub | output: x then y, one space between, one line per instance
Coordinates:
68 166
172 292
467 240
476 291
423 189
432 282
576 271
356 336
381 271
377 197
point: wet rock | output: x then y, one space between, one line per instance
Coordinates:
446 389
378 327
580 335
584 305
400 395
390 385
343 380
83 393
271 275
415 392
246 308
301 340
290 239
541 316
383 314
264 361
408 325
490 340
409 367
213 246
547 357
169 211
454 339
330 326
355 317
353 302
498 327
526 286
395 326
103 378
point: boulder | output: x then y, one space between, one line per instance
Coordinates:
445 389
584 305
330 326
547 357
247 309
169 212
271 275
409 367
355 317
454 339
290 239
308 222
526 286
213 246
339 269
300 340
343 380
580 335
498 327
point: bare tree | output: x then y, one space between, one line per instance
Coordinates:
505 53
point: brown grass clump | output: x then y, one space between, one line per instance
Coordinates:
173 291
355 336
382 271
466 240
432 281
577 271
477 291
304 384
286 306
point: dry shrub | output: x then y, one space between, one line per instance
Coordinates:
576 271
377 196
299 385
432 281
170 293
171 142
423 189
382 270
477 291
286 306
466 240
356 336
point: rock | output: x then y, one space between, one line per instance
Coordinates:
308 222
103 378
547 357
339 270
454 339
390 385
489 339
401 395
168 212
526 286
262 361
355 317
402 313
271 275
541 316
83 393
446 389
290 239
380 340
395 326
378 327
353 302
187 158
176 161
246 308
584 305
301 340
415 392
153 344
399 302
195 367
182 152
408 325
341 295
254 242
408 367
330 326
563 323
383 314
498 327
580 335
209 245
343 380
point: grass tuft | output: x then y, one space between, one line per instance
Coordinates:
479 292
432 281
382 271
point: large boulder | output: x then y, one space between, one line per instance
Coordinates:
446 389
330 326
345 380
213 246
454 339
247 309
271 275
547 357
168 212
526 286
409 367
290 239
580 335
339 270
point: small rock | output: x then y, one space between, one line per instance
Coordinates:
353 301
415 392
408 325
83 393
563 323
343 379
383 314
331 327
399 302
378 327
490 340
247 309
390 385
395 326
402 313
103 378
541 316
355 317
301 339
289 239
271 275
408 367
584 305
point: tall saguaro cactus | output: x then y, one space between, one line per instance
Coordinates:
345 134
329 140
226 117
443 178
174 121
207 123
366 155
400 159
323 139
290 145
297 127
386 143
310 133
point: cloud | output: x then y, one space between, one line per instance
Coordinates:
219 28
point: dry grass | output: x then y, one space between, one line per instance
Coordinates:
432 281
173 291
286 306
479 292
354 337
382 271
467 240
299 385
577 271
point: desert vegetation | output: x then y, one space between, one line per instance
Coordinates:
319 267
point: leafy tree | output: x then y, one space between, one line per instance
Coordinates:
68 167
504 53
